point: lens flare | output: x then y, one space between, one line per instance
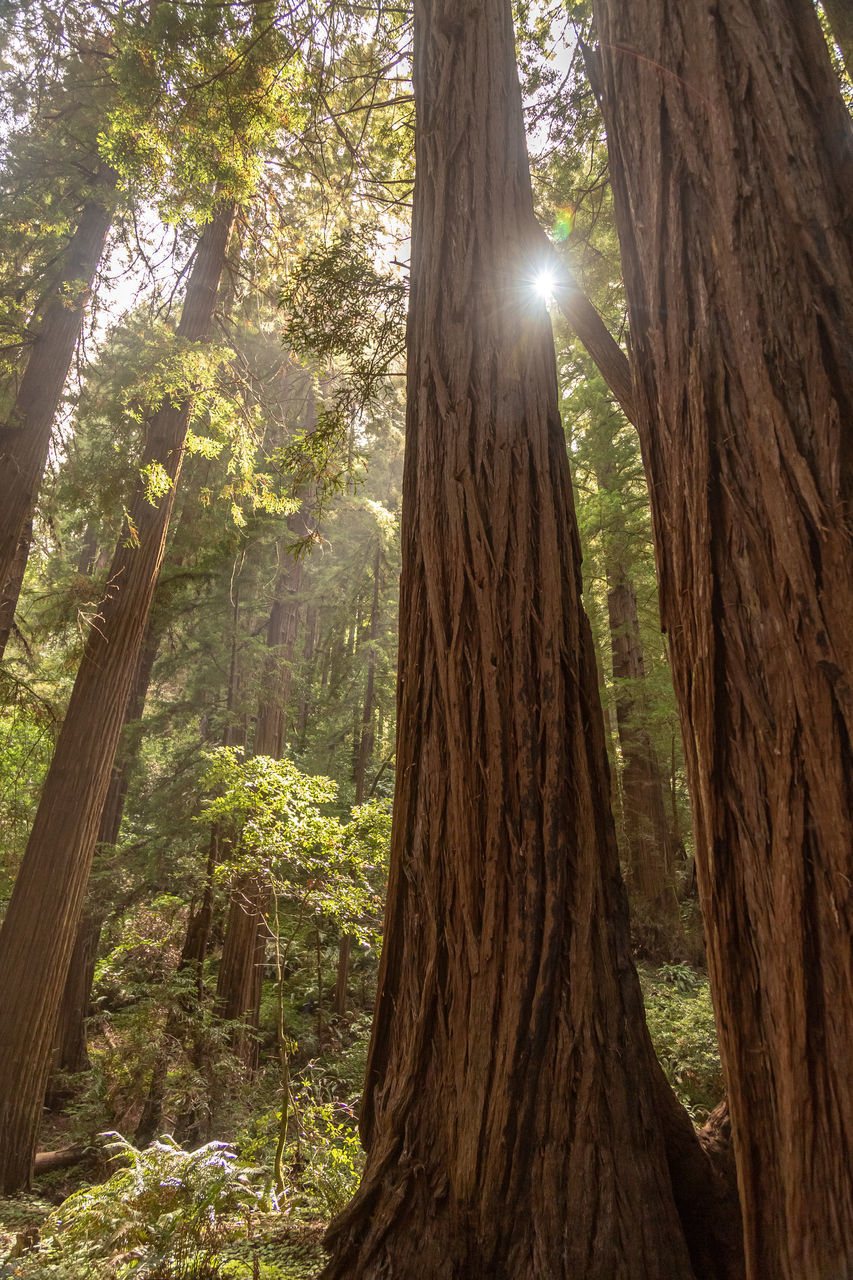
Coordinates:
544 284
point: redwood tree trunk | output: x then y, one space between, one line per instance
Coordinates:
25 436
513 1112
731 162
40 926
647 835
70 1053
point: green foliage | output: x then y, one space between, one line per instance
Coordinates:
162 1217
681 1023
274 815
340 305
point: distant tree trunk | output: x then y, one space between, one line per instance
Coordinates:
365 751
732 167
188 1125
238 993
271 728
308 656
647 834
516 1121
38 932
25 436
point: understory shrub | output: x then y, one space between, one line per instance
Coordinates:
161 1217
681 1024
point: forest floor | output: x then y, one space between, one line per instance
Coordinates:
279 1248
167 1213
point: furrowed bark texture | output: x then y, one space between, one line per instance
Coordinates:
70 1052
25 437
512 1105
731 165
40 926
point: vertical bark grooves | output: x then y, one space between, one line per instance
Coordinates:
39 929
70 1053
512 1101
730 153
25 437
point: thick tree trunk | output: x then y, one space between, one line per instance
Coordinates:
70 1053
513 1114
38 932
731 162
647 835
25 437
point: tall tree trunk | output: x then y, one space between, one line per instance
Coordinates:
25 436
38 932
70 1053
238 992
647 834
365 751
730 153
514 1114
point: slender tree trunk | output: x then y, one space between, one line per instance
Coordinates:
38 932
25 437
840 15
238 992
515 1118
730 153
647 835
308 655
365 751
188 1126
271 729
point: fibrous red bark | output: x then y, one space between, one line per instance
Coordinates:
730 153
25 437
40 925
515 1120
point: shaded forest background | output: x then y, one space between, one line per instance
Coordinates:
222 977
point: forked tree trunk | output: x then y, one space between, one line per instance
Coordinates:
238 992
515 1118
41 923
647 835
730 153
25 436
